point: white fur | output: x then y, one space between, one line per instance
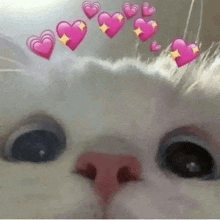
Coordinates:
89 97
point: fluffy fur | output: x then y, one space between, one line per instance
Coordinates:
90 97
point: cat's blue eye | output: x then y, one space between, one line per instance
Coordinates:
36 146
35 143
188 157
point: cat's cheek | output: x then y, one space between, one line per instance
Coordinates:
145 200
45 191
133 202
86 210
78 201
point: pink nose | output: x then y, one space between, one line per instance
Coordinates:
108 171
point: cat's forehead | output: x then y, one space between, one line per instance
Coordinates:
70 87
86 73
86 89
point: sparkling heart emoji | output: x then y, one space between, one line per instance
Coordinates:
182 53
90 9
145 30
42 46
147 11
155 46
71 35
111 24
130 10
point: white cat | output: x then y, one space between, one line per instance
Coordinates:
82 137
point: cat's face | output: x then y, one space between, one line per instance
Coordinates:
115 112
122 108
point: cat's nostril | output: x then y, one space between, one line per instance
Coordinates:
124 175
89 172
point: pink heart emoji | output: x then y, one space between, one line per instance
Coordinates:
44 34
33 40
90 9
146 11
42 46
113 23
155 46
187 53
148 29
75 32
130 10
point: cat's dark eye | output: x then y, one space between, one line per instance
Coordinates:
187 158
35 145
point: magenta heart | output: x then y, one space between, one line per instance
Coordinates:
155 46
91 9
73 32
187 53
130 10
113 22
44 34
147 11
42 46
148 29
35 40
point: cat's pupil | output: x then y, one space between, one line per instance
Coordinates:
192 167
189 160
36 146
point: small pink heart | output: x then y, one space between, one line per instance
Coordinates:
148 28
74 32
147 11
44 34
187 53
90 9
33 40
130 10
113 22
155 46
42 46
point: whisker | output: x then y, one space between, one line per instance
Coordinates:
10 70
200 22
189 15
12 61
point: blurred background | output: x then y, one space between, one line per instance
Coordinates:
20 19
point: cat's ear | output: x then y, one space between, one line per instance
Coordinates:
12 56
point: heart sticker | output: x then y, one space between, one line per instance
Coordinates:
130 10
42 46
111 24
155 47
71 35
145 30
147 11
90 9
182 53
